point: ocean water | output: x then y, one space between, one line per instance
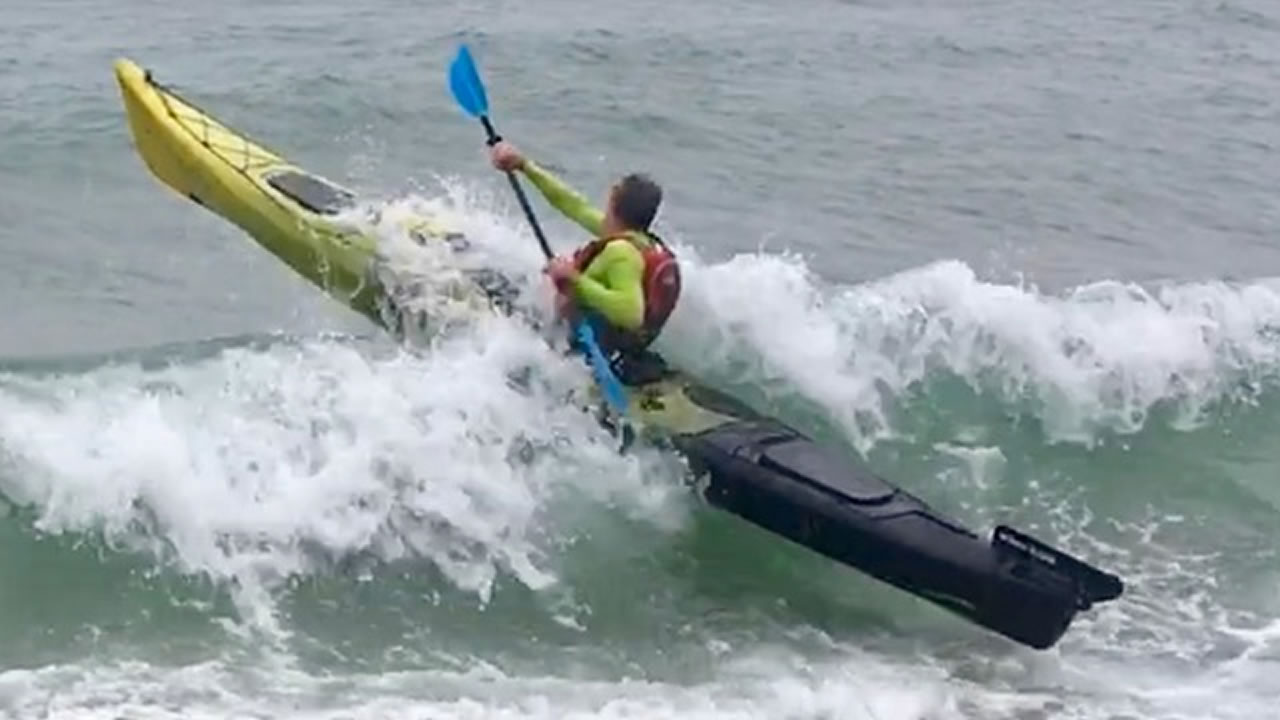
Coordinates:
1020 255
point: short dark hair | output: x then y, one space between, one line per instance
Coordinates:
636 201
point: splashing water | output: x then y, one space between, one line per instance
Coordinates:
1101 357
258 464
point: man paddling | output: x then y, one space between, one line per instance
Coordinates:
625 281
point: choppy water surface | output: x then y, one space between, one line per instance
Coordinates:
1020 255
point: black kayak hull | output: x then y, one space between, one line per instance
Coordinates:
778 479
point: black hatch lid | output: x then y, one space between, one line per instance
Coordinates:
312 193
806 460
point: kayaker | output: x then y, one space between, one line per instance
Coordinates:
626 276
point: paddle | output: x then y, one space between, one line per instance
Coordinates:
468 91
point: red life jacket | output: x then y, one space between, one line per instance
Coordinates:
661 283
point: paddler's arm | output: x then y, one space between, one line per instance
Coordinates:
613 285
564 198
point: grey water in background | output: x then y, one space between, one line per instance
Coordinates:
978 190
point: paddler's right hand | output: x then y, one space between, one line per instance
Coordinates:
506 157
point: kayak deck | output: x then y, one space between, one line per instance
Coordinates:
753 466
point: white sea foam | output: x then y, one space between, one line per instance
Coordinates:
255 464
1099 358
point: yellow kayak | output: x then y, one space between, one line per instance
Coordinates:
752 466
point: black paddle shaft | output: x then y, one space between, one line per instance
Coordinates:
494 139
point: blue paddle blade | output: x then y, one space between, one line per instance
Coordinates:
609 383
464 82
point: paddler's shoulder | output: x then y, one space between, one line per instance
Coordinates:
624 248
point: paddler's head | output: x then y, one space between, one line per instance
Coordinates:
633 203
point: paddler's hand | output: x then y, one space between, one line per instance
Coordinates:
561 271
506 157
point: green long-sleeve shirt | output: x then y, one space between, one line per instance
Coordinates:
612 284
